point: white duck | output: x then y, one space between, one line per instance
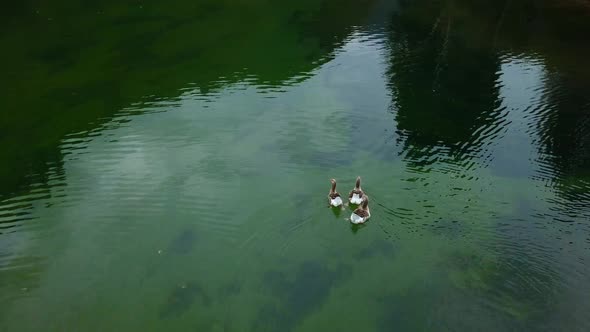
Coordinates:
356 194
362 213
334 197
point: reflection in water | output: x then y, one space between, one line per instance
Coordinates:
437 65
132 54
445 80
562 124
445 88
163 166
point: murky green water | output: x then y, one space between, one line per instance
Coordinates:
166 166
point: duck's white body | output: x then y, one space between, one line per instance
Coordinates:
356 194
335 202
356 219
334 197
361 214
356 199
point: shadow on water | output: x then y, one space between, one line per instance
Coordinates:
183 243
337 211
376 248
182 298
355 228
297 296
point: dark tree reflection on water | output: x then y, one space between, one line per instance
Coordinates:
444 74
288 262
444 87
72 80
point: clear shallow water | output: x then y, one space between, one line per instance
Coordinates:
168 167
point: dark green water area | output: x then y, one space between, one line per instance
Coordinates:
164 166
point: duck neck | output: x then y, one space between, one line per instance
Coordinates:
333 190
358 183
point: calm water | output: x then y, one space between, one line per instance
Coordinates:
166 166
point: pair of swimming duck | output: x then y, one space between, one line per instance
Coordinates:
356 196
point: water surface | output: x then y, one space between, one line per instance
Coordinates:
167 166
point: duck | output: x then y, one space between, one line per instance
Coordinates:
362 213
356 194
334 197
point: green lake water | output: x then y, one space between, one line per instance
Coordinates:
165 165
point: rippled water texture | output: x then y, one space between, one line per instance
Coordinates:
165 166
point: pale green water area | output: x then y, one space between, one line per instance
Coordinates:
165 165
